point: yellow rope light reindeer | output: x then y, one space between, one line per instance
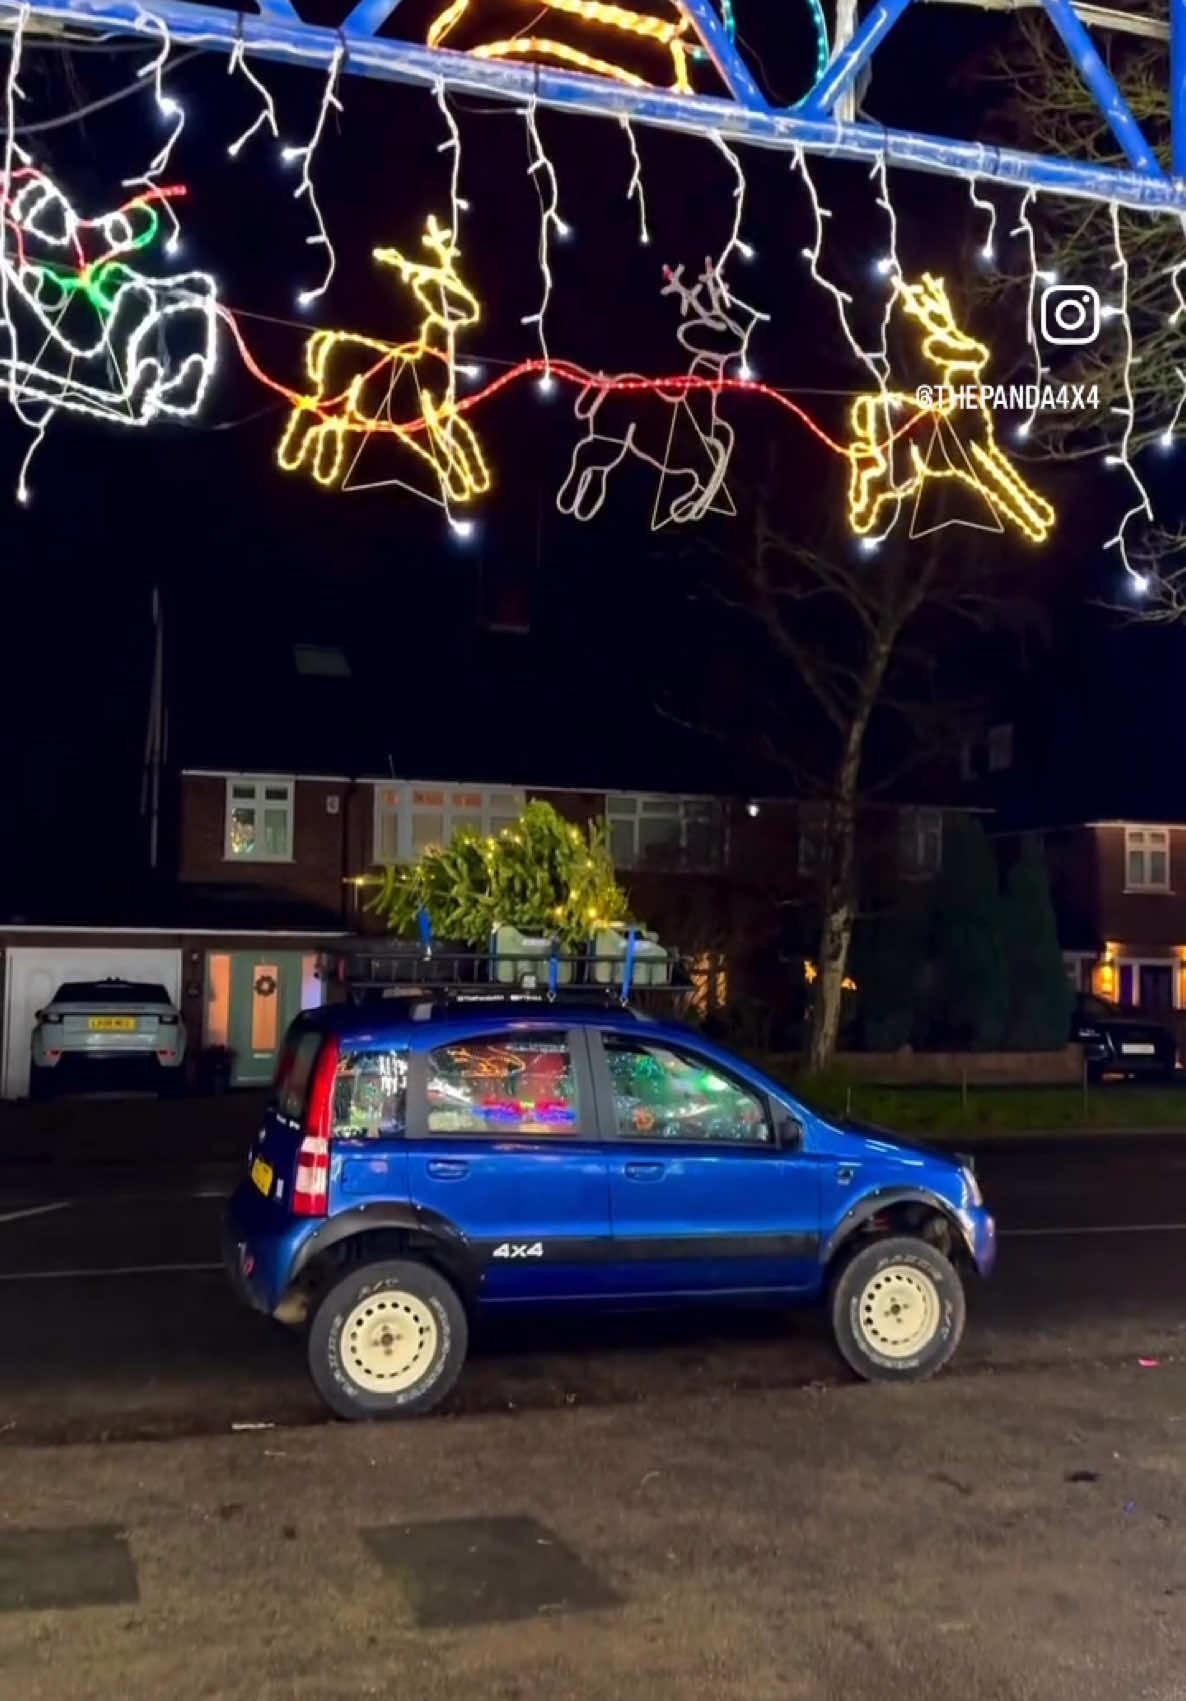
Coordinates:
354 380
960 361
672 33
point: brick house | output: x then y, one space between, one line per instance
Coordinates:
266 816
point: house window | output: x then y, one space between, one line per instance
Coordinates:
920 841
1146 859
1000 748
413 818
259 820
813 834
647 831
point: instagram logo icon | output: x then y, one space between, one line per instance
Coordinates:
1069 314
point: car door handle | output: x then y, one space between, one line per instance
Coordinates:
447 1169
644 1172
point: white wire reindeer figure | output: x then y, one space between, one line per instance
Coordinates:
715 330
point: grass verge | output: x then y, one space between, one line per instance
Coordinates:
1000 1111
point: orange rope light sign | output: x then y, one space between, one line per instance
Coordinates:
672 33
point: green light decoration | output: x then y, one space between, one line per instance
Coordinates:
822 48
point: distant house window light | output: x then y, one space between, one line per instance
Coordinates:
321 661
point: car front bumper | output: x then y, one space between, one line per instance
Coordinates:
980 1233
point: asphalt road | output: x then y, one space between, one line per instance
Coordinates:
117 1323
629 1509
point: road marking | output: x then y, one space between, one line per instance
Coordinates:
35 1211
1101 1228
105 1270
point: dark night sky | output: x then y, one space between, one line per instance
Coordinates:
203 511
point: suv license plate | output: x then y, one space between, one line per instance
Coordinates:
1139 1050
261 1175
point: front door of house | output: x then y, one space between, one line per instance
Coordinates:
1157 988
252 996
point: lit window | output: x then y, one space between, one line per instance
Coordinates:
920 841
259 820
410 819
1146 859
665 832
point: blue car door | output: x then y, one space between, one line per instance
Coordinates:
703 1199
502 1144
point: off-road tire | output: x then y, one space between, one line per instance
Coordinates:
878 1344
421 1313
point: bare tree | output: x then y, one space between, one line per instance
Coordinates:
863 671
1136 369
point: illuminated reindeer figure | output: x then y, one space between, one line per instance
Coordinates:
354 380
716 329
879 421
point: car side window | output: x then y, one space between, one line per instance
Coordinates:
660 1093
296 1070
506 1084
370 1095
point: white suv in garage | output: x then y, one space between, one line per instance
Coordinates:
105 1022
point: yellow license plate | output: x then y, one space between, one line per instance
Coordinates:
261 1174
117 1024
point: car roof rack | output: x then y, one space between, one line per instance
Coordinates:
406 969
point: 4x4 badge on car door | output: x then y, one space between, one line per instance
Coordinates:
519 1249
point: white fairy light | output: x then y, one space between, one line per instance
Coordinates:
452 144
988 251
1166 437
543 174
267 112
320 238
734 243
634 189
1128 412
174 113
1025 228
877 363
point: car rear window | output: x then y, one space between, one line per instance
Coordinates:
296 1071
370 1094
111 992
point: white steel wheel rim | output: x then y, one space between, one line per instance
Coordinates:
389 1341
899 1311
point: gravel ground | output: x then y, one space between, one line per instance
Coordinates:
1011 1536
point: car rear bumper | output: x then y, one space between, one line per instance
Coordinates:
259 1248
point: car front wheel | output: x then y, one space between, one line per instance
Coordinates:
898 1310
388 1340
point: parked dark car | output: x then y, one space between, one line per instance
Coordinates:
1120 1042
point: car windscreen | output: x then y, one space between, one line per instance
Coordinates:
111 992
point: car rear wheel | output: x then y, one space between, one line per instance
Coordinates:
388 1340
898 1310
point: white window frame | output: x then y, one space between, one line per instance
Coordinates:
919 820
512 802
259 783
625 808
1138 840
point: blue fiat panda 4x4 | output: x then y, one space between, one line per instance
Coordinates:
423 1160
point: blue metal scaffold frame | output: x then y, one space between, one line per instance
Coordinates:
277 32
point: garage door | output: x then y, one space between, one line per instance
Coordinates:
34 974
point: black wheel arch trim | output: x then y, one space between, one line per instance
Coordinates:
427 1232
870 1204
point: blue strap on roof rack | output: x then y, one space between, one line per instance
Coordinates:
628 966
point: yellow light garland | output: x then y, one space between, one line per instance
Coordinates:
354 378
669 32
960 361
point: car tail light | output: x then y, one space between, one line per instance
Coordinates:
310 1193
49 1016
168 1021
